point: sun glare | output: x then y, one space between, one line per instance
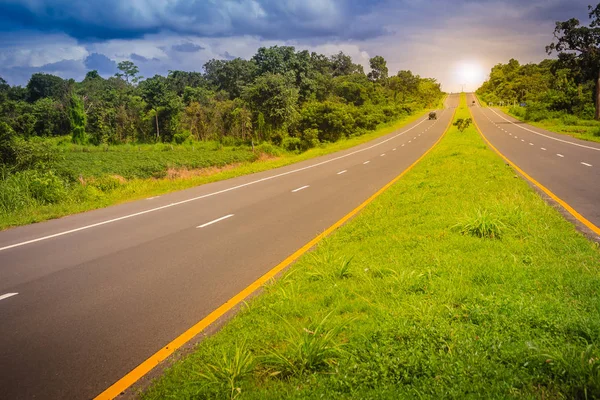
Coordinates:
470 73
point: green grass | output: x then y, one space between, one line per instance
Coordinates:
568 124
130 163
139 162
414 298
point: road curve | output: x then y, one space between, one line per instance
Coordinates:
86 298
568 167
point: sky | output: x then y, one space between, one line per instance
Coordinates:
456 42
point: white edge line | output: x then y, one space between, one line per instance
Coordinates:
586 164
541 134
300 188
7 295
209 194
215 221
342 172
366 162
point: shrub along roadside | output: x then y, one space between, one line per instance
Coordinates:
558 122
567 124
458 281
19 207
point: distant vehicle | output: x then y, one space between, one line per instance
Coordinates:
432 115
473 101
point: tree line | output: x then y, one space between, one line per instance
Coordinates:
569 84
295 99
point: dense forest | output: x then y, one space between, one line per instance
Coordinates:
289 98
567 87
62 140
547 89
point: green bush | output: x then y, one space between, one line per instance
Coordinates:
182 137
570 120
309 138
14 192
46 187
518 111
332 120
536 112
105 183
292 144
269 149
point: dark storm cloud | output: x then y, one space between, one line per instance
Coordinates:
64 68
100 63
187 47
95 20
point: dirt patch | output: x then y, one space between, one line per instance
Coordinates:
185 173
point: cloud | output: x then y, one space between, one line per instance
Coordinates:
138 58
428 37
187 47
100 63
95 20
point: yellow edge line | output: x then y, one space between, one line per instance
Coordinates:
146 366
554 197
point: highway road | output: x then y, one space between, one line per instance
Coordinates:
86 298
568 167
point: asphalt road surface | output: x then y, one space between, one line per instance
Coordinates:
100 292
568 167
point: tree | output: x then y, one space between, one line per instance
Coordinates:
153 92
177 81
275 97
341 64
230 75
78 120
581 44
379 69
45 85
128 70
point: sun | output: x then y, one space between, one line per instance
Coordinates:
470 73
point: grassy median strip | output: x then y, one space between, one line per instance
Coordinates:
457 282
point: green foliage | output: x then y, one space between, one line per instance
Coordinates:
30 187
42 86
462 123
331 120
482 225
180 138
379 69
128 71
78 120
275 97
305 350
227 373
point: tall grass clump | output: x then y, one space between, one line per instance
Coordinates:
225 376
483 224
305 350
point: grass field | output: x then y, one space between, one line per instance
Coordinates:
20 203
130 163
457 282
